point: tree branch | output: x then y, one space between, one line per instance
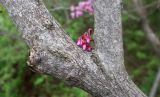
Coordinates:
131 16
155 85
150 35
101 73
108 33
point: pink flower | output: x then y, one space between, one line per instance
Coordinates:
89 48
72 8
73 15
84 46
85 40
79 41
79 13
87 37
83 6
89 9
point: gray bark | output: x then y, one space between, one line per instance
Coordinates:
101 72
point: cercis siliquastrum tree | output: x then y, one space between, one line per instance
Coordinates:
100 72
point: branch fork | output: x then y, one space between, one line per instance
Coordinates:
101 72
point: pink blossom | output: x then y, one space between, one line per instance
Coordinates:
72 8
83 6
87 37
89 48
89 9
84 46
85 40
73 15
79 41
79 13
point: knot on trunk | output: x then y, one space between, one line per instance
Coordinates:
33 61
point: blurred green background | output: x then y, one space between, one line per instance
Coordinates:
17 80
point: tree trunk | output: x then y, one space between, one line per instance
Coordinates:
101 72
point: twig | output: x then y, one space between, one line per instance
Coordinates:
145 7
125 12
152 38
158 4
59 8
150 35
155 85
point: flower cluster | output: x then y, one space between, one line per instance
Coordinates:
83 6
85 40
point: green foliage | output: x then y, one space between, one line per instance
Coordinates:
141 60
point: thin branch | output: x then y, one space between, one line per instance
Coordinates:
65 9
125 12
158 4
155 85
152 38
153 4
59 8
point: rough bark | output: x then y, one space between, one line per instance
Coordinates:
101 72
